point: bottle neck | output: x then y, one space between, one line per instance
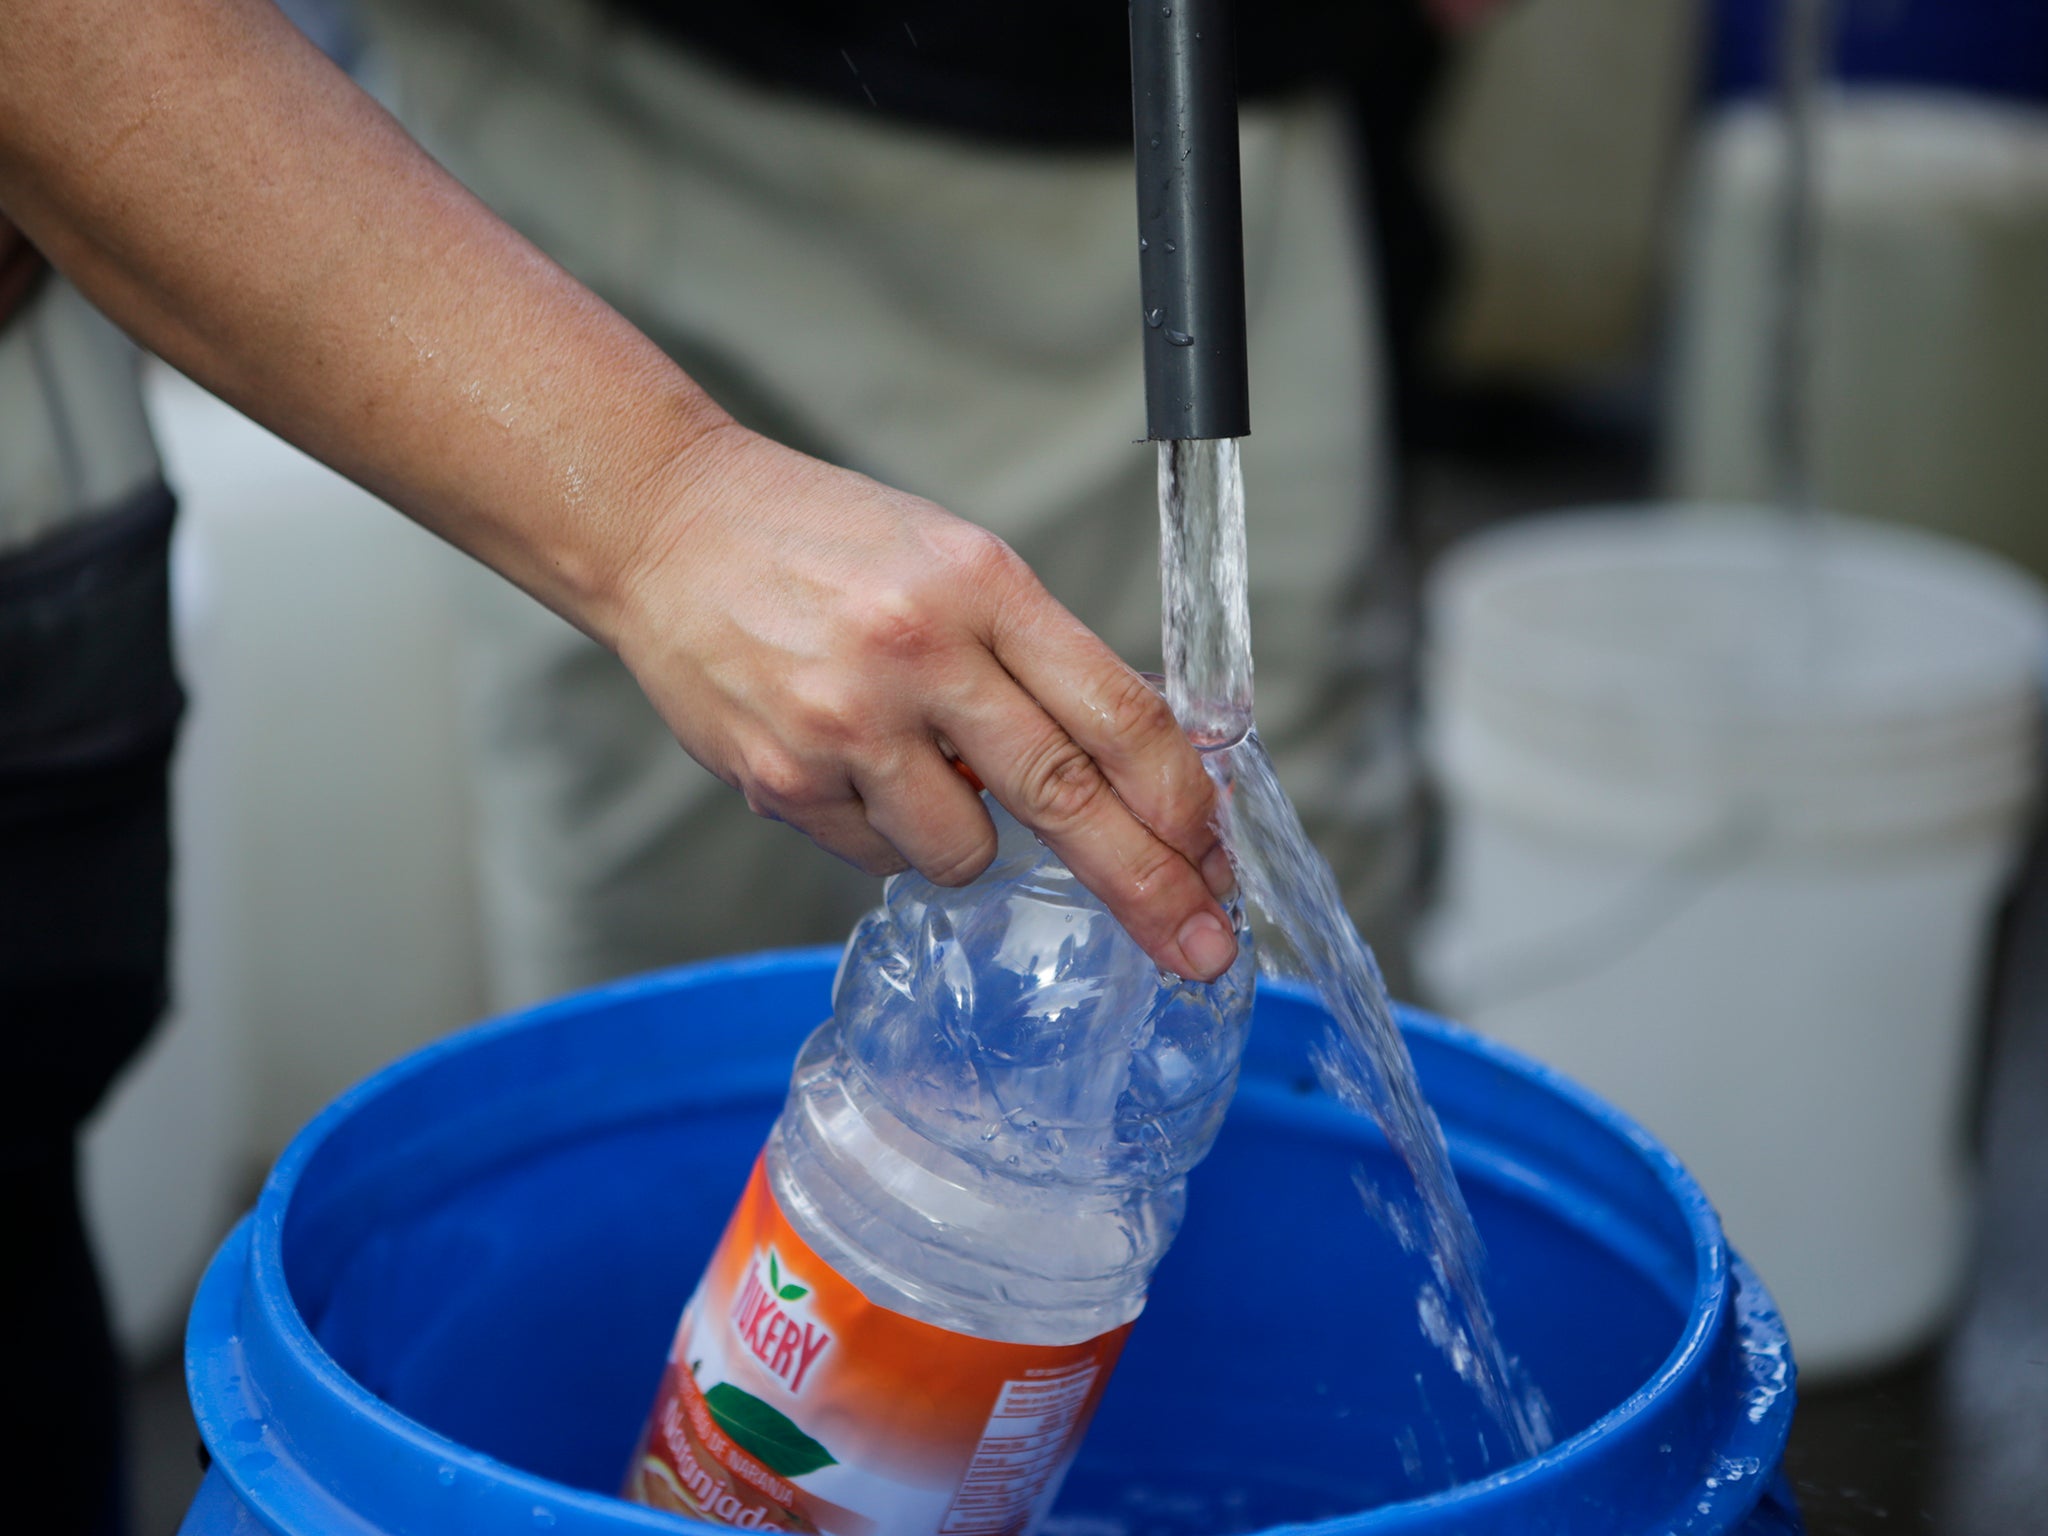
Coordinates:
925 1231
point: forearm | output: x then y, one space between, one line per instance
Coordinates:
819 641
234 202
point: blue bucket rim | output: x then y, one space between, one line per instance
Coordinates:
1726 1293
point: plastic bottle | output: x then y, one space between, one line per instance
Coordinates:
933 1268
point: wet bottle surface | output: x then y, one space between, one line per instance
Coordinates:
954 1221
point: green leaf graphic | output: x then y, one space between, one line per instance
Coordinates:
765 1434
793 1292
774 1274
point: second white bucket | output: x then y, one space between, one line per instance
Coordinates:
1731 805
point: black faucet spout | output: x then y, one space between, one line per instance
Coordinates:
1190 218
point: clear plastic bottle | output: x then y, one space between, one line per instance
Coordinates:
951 1229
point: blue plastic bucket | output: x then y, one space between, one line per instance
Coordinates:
451 1304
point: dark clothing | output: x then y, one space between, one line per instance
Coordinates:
86 680
88 709
1056 73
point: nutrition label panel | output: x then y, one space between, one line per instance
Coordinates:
1021 1450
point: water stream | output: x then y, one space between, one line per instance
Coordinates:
1364 1063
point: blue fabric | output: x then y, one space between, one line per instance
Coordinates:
1992 47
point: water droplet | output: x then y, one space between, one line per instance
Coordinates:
543 1517
1166 10
1155 318
988 1132
248 1431
445 1477
1179 339
1171 247
1144 244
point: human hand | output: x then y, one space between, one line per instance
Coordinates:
825 644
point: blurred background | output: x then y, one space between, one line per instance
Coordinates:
1704 458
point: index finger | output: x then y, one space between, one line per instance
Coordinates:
1085 753
1119 720
1052 785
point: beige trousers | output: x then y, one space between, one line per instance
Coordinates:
956 319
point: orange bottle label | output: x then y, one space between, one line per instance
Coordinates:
792 1402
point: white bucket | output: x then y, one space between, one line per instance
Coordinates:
1928 321
1731 805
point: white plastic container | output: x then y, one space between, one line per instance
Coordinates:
1930 314
1731 806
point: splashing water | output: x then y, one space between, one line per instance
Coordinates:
1364 1062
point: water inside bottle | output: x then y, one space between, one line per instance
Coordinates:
1291 888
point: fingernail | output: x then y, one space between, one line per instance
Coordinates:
1209 946
1217 871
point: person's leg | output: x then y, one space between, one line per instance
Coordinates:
66 1423
955 319
88 705
83 870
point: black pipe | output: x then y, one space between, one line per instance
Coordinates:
1190 218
